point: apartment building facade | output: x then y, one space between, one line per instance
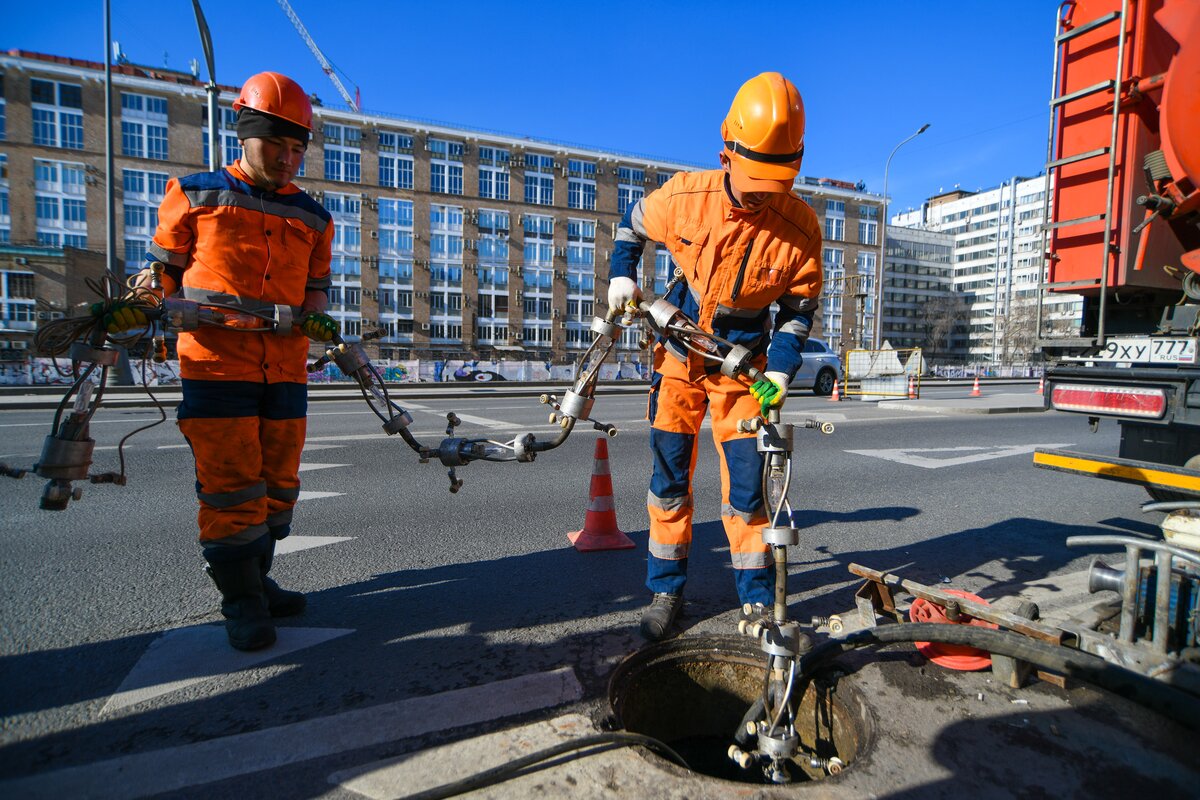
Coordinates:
997 266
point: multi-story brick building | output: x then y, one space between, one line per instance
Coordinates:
455 242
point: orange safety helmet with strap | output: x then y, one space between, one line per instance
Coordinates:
277 95
764 134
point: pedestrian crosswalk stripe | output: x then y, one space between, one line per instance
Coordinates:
173 769
310 466
198 653
294 544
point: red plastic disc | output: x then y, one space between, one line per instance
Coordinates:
951 656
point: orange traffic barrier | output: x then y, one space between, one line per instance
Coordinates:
975 389
912 388
835 397
600 531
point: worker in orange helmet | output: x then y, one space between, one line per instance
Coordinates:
247 237
743 242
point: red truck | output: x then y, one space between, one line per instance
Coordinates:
1123 233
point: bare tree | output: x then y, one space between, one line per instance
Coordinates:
938 318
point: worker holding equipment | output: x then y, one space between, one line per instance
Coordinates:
248 237
742 241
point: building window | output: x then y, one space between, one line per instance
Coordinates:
3 124
835 220
395 160
60 204
395 228
630 187
867 231
445 166
663 267
5 217
493 258
231 147
141 193
18 306
539 240
343 154
663 177
57 114
539 179
143 126
493 173
581 185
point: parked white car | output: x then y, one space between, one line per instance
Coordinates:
820 369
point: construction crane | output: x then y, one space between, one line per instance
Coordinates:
326 67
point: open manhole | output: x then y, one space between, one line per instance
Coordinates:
693 692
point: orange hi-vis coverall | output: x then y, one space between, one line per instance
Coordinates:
735 264
224 240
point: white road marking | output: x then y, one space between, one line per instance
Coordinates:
92 422
308 446
911 455
310 466
294 544
484 421
317 495
175 768
186 656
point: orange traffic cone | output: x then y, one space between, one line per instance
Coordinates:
835 397
975 389
1042 385
912 388
600 531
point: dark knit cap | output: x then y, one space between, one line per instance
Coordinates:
252 124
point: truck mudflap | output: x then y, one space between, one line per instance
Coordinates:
1158 477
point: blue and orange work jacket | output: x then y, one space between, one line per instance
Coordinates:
735 263
220 235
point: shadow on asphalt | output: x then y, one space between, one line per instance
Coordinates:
465 624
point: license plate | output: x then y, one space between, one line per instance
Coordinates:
1144 350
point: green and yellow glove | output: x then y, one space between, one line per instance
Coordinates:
119 317
319 327
770 390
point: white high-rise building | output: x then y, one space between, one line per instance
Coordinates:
997 265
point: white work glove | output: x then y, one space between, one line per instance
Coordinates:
770 391
622 291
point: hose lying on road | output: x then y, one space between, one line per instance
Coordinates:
1181 706
511 768
1155 695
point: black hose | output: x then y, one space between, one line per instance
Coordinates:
1179 705
510 769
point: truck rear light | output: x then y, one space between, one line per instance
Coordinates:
1128 401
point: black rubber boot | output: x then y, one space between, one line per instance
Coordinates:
280 602
244 603
658 616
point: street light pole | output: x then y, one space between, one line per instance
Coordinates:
877 339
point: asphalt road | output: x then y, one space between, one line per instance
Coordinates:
418 592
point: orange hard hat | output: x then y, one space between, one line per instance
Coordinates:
764 134
277 95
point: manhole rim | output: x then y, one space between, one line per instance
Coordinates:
744 651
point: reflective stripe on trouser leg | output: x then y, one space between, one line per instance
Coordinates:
678 410
229 484
742 510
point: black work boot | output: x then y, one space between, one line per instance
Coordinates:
280 602
244 603
658 616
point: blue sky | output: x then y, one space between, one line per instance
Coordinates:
645 77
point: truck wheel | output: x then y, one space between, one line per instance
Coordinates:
823 385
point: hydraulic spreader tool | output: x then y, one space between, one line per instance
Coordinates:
93 351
